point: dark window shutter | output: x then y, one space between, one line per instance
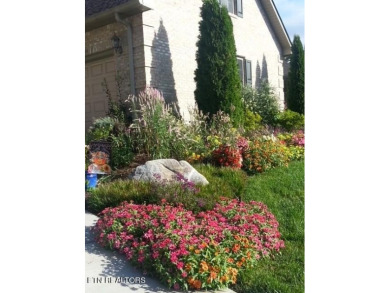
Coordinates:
240 69
248 72
239 8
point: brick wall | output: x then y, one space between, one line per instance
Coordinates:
99 40
171 31
257 43
164 41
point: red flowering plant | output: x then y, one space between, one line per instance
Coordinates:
227 156
191 251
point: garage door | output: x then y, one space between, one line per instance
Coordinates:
96 102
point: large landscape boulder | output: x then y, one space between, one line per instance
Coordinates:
167 169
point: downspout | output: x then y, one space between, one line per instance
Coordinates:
131 54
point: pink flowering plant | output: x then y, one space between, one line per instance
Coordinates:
292 139
191 251
298 139
242 144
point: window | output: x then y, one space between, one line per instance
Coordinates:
248 72
245 70
233 6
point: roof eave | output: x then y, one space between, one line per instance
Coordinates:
278 26
108 16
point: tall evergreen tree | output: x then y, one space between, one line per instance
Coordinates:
218 85
295 94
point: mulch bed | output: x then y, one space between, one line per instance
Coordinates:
123 173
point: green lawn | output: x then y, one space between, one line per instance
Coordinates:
282 190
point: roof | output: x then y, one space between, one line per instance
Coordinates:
278 26
97 6
101 12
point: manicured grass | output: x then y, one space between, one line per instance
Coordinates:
282 190
113 193
226 182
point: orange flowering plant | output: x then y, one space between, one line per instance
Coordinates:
216 265
263 155
191 251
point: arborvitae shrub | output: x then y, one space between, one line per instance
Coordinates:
295 93
218 85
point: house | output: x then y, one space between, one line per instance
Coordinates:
153 43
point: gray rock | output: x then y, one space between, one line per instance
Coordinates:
167 169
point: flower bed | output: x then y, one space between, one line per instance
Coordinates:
227 156
263 155
187 250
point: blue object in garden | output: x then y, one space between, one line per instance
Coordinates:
91 180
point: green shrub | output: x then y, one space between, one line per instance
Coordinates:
252 121
261 101
250 98
86 157
267 105
101 129
121 150
290 120
295 85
